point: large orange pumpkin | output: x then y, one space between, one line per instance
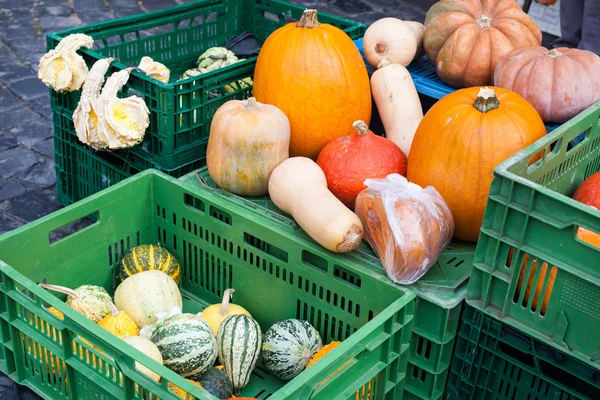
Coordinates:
467 38
313 73
559 83
589 193
460 141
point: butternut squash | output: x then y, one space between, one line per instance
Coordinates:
398 103
392 39
298 187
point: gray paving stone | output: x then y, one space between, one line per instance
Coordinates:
31 205
17 117
29 88
32 132
45 147
41 175
7 100
7 141
10 73
352 6
10 189
8 224
16 160
52 23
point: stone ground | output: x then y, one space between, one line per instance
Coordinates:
27 177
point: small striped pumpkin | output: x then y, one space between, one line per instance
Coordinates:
288 346
148 257
187 344
238 344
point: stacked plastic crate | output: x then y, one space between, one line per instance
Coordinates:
532 325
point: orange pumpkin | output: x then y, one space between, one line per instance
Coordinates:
247 141
530 281
348 161
559 83
466 39
589 193
460 141
313 73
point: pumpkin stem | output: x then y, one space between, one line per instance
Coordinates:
308 20
252 104
113 309
225 303
486 100
383 63
60 289
484 21
554 53
361 128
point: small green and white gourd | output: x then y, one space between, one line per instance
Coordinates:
288 346
239 340
90 300
187 344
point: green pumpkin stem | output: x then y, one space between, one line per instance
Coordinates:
225 303
361 128
486 100
308 20
61 289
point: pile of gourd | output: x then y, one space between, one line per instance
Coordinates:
312 102
146 314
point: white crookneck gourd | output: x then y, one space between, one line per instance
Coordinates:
154 69
85 117
62 69
121 122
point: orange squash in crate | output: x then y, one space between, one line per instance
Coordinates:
315 74
460 141
589 193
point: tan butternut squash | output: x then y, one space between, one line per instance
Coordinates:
398 103
298 187
418 29
392 39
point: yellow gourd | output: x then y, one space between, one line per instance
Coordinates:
119 323
322 352
216 313
182 393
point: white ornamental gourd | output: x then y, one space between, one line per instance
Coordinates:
121 122
85 117
154 69
62 69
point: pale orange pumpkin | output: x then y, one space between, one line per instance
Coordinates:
314 73
247 141
466 39
559 83
460 141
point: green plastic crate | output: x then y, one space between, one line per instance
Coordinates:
219 246
495 361
81 171
180 114
530 220
440 292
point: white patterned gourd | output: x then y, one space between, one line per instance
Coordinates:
154 69
288 347
239 342
62 69
187 344
90 300
145 294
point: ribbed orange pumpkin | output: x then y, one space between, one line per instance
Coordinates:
314 74
467 38
460 141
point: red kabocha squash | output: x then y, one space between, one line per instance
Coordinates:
314 74
460 141
589 193
467 38
559 83
350 160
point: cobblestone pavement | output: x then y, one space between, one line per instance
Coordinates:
27 177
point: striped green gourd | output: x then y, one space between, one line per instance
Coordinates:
186 343
238 344
288 346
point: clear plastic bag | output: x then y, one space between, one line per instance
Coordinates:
407 226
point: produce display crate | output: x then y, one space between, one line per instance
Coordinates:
440 295
530 231
495 361
440 291
180 113
219 246
81 171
